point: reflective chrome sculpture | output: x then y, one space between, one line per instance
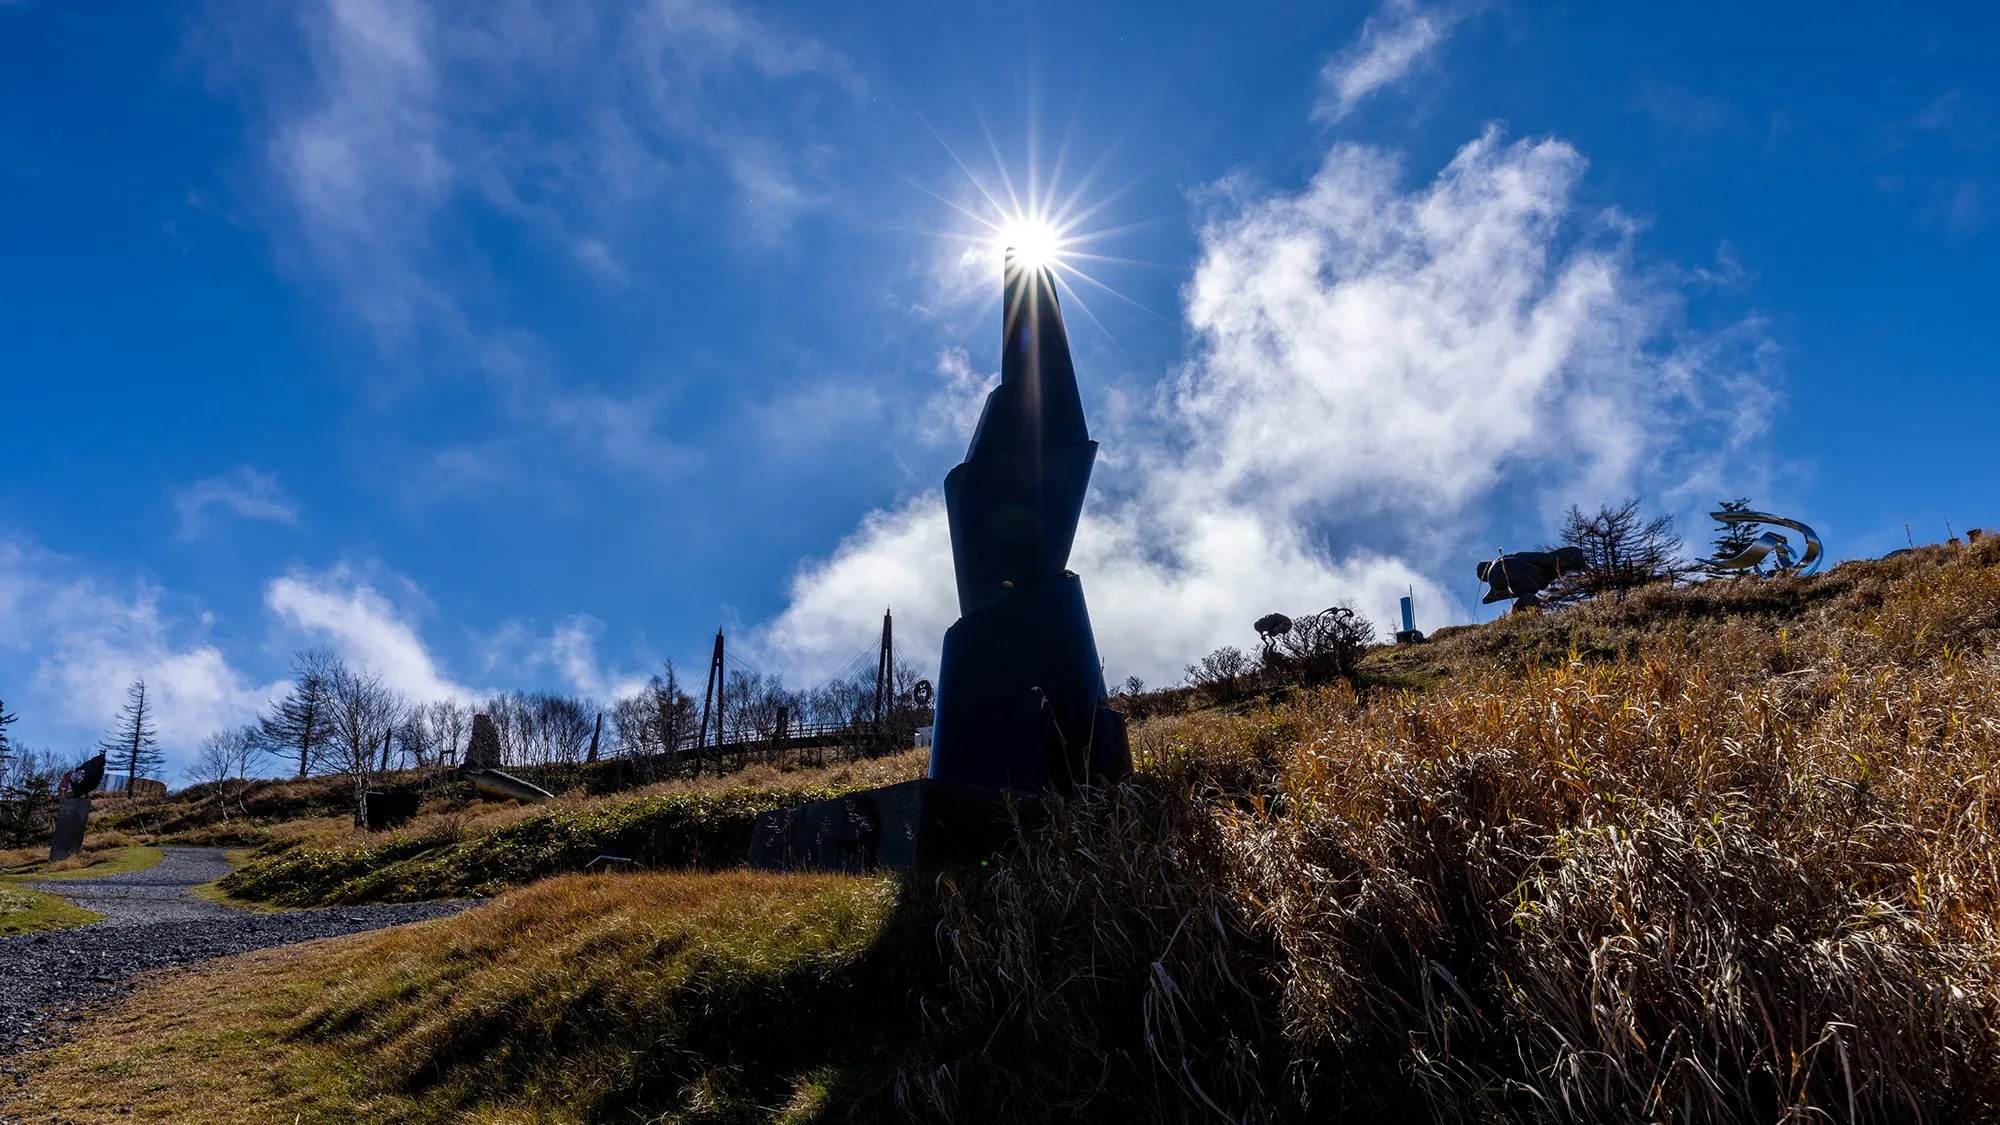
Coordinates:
1020 694
1771 542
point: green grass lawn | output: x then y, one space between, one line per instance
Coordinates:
135 858
686 997
213 892
23 911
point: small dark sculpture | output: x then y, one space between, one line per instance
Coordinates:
923 693
387 808
83 780
1020 695
1315 648
1524 574
1271 626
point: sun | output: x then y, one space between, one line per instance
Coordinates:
1035 243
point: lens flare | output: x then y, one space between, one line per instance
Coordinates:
1034 243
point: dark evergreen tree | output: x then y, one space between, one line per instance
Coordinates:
1733 539
133 745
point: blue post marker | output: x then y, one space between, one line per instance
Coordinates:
1409 635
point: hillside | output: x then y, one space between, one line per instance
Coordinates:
1721 853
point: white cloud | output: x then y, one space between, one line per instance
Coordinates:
950 413
245 492
1372 368
352 616
71 643
409 126
1393 43
81 639
363 628
572 650
557 114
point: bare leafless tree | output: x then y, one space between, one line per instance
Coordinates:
673 710
562 727
755 703
653 722
362 711
1319 647
450 725
1223 675
220 758
6 747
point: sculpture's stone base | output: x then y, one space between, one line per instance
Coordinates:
915 826
1410 637
72 819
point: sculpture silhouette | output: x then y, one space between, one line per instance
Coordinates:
1523 574
83 780
1762 546
1020 694
1270 627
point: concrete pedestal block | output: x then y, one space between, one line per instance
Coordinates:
72 820
914 826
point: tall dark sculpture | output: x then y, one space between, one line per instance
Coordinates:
73 792
1021 700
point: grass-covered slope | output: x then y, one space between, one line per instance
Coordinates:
723 997
1720 854
464 848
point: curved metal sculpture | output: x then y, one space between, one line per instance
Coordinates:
1021 700
1524 574
1771 542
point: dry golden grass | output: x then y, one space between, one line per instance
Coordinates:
721 996
1740 874
11 858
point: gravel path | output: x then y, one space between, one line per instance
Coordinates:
51 979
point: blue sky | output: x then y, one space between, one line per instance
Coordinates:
521 344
